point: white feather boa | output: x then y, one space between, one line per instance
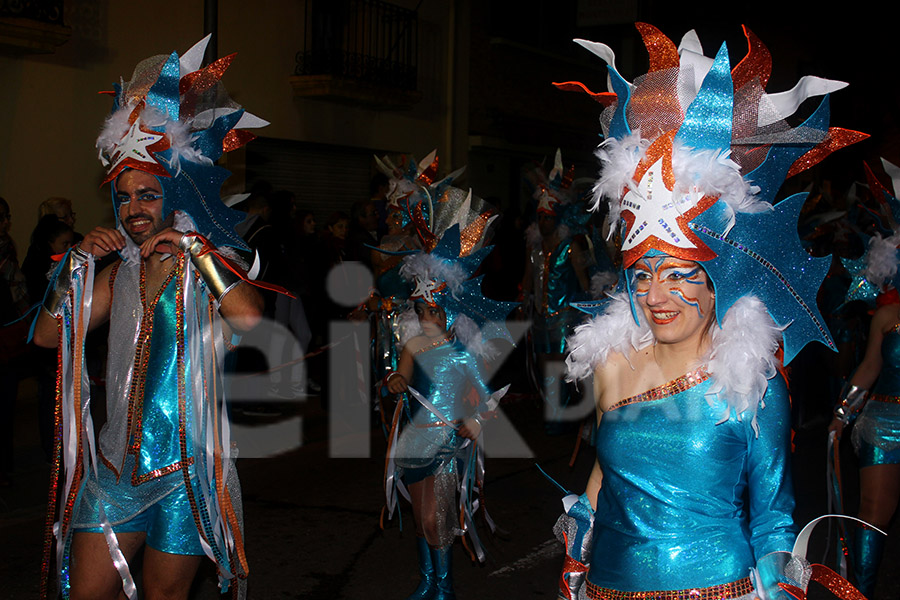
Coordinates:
424 266
711 171
464 328
741 358
881 259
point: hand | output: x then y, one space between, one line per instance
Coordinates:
396 383
102 241
164 242
470 429
837 426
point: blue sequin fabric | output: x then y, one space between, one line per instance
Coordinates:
686 502
876 434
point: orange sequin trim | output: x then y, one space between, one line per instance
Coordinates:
676 386
735 589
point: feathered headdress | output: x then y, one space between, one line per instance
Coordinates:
453 241
694 155
174 120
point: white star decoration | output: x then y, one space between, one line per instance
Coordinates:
425 289
134 145
655 209
546 203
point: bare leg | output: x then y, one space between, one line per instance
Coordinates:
425 510
879 493
168 576
93 576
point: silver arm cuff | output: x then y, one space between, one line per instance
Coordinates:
853 399
59 287
218 277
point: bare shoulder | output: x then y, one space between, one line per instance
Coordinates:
612 377
886 317
416 344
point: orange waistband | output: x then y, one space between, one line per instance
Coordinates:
735 589
885 398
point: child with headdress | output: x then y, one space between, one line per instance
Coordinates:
445 337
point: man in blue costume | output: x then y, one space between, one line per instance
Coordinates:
163 475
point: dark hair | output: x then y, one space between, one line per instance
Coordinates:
378 181
49 228
336 216
4 204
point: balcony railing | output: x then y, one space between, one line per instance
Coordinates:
45 11
368 41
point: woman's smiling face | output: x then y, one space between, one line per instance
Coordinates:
675 296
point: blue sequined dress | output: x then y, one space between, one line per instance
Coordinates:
686 501
876 435
446 376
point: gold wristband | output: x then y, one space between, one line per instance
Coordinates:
59 287
219 278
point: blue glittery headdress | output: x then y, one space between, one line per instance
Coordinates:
877 269
413 188
694 156
442 273
174 120
556 196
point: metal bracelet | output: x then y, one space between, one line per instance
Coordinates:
59 287
219 278
853 398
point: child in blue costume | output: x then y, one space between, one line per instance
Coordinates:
444 338
692 482
876 433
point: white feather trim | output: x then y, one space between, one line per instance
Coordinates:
741 358
881 259
424 266
614 330
740 361
533 237
712 172
179 134
408 325
467 332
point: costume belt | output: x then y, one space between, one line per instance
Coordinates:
441 424
885 398
735 589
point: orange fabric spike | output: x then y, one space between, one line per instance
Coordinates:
663 53
429 174
835 584
756 64
469 236
835 139
236 138
201 80
878 190
604 98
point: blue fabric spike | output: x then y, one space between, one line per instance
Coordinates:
771 173
618 127
164 95
209 141
707 124
448 247
117 89
860 287
763 252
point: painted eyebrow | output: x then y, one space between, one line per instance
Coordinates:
140 191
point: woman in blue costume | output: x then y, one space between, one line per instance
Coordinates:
444 336
876 433
692 483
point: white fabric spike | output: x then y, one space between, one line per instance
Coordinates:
253 273
234 199
191 60
893 172
601 50
250 121
557 165
787 103
426 162
691 43
385 166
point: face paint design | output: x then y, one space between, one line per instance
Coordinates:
674 297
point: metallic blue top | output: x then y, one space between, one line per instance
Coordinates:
685 502
889 379
443 375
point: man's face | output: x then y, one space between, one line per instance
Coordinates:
140 200
369 218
